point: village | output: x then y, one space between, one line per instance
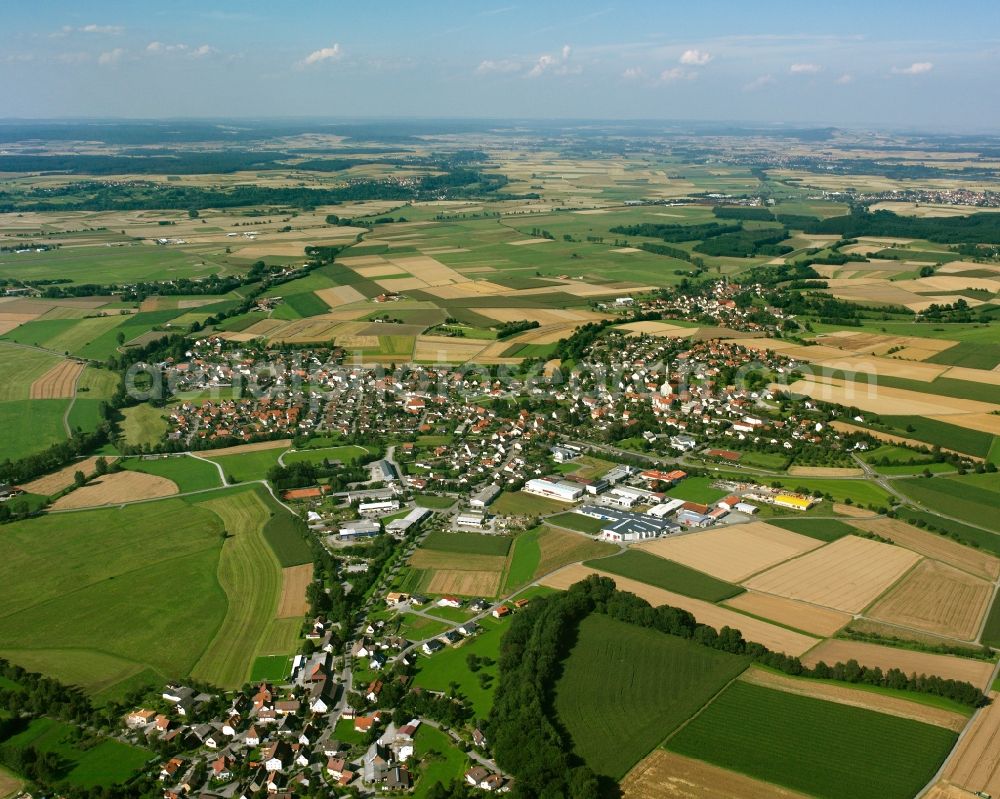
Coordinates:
604 452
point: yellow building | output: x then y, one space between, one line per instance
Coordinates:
794 502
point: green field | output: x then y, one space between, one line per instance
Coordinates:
467 543
667 574
31 425
544 549
578 522
823 529
88 763
250 575
521 503
143 425
754 730
246 466
439 758
105 265
272 668
935 432
962 497
346 454
625 688
860 492
697 489
283 533
981 355
28 425
434 502
436 673
190 474
97 615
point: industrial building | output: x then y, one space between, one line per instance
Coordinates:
562 490
623 525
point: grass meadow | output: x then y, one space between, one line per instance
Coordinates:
823 749
97 615
822 529
964 498
86 763
189 474
625 688
143 424
468 543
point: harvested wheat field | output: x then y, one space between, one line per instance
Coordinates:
847 575
239 449
880 344
463 583
658 329
975 763
57 481
843 695
772 636
438 559
944 790
665 775
825 471
362 260
446 350
523 242
885 367
884 400
59 382
733 552
294 582
934 546
399 284
853 511
382 269
112 489
544 316
339 295
800 615
937 598
978 672
989 376
430 270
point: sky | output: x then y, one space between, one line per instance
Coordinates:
905 65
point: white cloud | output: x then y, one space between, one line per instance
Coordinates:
633 73
110 56
108 29
558 64
323 54
503 65
917 68
157 48
844 79
804 69
759 83
202 50
676 73
695 58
